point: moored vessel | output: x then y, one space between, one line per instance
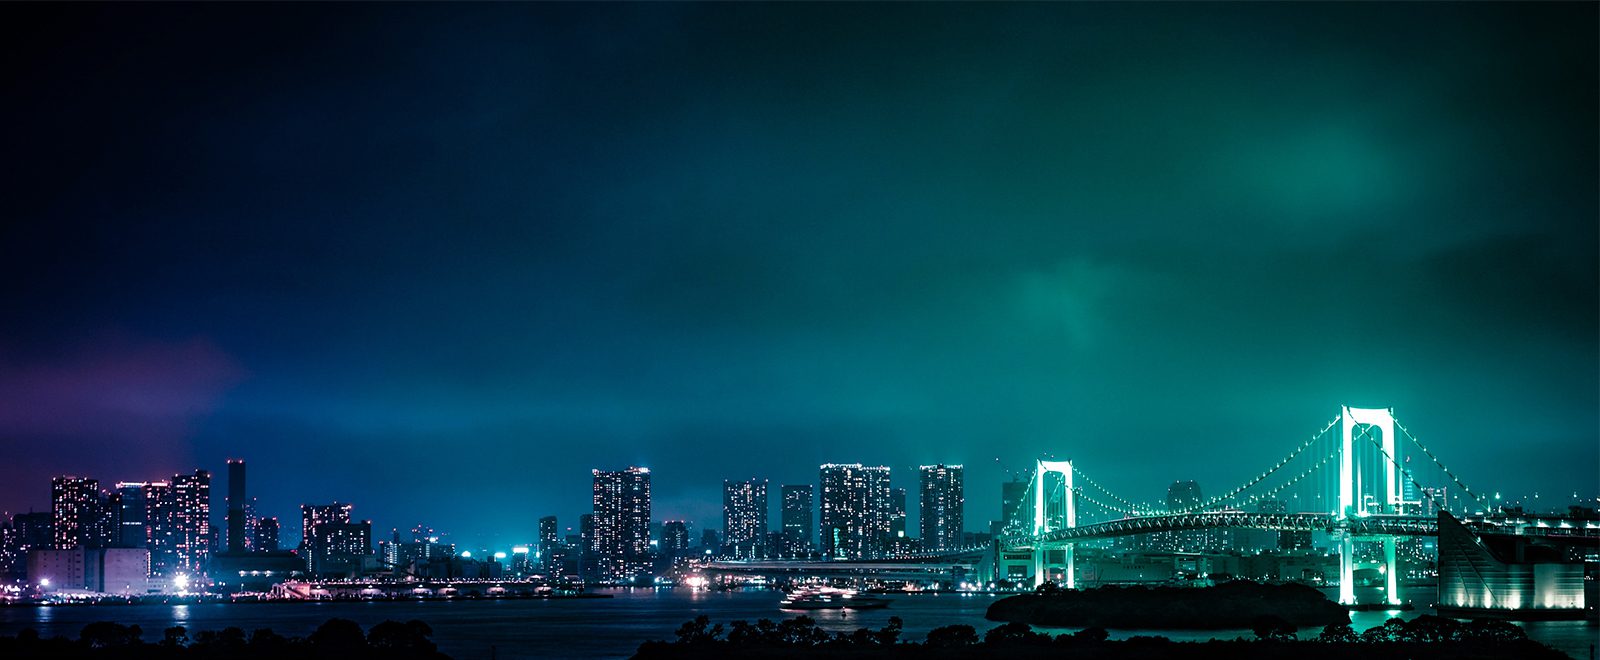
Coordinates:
826 598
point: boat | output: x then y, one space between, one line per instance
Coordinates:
826 598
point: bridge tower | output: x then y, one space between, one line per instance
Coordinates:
1053 508
1354 501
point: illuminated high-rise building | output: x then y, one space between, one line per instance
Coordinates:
107 531
27 532
133 519
161 527
266 538
549 539
251 521
941 506
799 524
339 548
586 546
312 515
12 554
897 513
744 516
75 512
856 510
674 536
191 521
621 538
1014 514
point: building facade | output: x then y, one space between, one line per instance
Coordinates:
621 537
75 512
549 539
266 538
798 519
340 549
313 516
855 510
161 527
191 522
237 533
744 518
674 536
132 517
941 506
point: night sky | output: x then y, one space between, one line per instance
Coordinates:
441 261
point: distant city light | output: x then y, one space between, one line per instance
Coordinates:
521 550
499 555
466 554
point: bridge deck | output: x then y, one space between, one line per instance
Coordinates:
1366 526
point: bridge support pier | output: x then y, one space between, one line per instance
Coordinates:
1070 570
1347 570
1038 564
1041 565
1391 572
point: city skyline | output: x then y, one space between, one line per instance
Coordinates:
219 513
742 242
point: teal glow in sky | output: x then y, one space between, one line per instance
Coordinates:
440 261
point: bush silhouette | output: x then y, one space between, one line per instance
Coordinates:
949 637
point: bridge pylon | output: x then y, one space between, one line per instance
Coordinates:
1051 514
1354 502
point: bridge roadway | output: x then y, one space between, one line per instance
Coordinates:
1377 525
910 567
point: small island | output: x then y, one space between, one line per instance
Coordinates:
1236 604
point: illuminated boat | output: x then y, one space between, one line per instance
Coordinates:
831 599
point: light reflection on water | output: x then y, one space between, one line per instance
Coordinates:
608 628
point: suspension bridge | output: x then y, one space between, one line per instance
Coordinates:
1348 480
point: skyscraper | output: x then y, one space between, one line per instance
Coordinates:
312 515
1185 496
191 516
27 532
799 526
266 535
586 546
236 505
621 536
161 521
744 517
108 525
942 506
338 548
75 512
132 531
855 510
675 536
1014 514
549 538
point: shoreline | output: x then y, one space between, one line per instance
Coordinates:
179 600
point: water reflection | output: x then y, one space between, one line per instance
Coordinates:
612 627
